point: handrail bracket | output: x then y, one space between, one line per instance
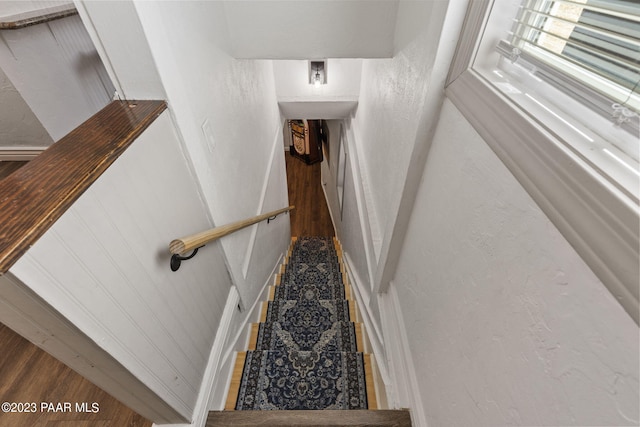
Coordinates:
196 241
176 259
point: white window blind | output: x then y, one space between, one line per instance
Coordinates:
588 48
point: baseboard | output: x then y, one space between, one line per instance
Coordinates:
403 379
363 299
212 378
263 194
333 220
213 391
19 154
233 343
373 330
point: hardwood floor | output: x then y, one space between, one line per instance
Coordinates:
7 168
28 374
311 216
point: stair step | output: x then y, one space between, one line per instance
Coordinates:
294 291
290 291
308 312
388 418
339 336
300 380
307 352
312 275
259 339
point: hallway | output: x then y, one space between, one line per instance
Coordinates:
311 216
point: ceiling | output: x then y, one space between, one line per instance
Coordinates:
311 29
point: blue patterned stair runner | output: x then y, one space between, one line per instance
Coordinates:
306 353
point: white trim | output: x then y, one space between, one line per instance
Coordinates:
225 368
18 154
473 25
373 330
212 375
263 195
598 219
215 383
396 230
97 42
361 203
333 221
403 381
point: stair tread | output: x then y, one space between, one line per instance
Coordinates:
338 336
307 418
304 353
302 380
296 291
307 312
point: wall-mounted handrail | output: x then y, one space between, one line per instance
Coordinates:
189 243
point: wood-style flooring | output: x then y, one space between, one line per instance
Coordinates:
311 216
28 374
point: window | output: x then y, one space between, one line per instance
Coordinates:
594 41
552 87
575 66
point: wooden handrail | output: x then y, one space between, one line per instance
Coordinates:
194 241
36 195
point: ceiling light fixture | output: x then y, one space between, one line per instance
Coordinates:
317 73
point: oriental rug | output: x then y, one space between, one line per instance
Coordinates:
306 353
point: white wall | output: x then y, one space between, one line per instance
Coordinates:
389 136
506 323
104 266
393 95
57 71
237 99
117 33
19 127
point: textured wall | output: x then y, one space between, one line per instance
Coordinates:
507 325
392 99
19 127
237 99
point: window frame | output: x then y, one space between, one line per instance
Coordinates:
602 91
597 218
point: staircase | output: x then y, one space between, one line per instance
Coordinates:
307 352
